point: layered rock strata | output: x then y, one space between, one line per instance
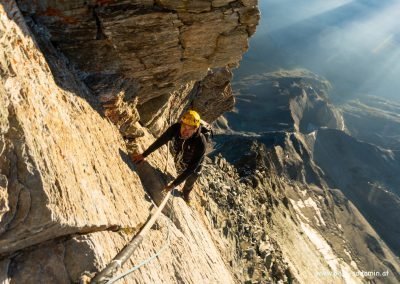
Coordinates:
154 47
66 182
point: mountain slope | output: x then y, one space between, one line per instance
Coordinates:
308 140
280 226
367 175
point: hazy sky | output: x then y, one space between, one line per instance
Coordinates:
354 44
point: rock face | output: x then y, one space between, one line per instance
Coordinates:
85 83
155 47
51 142
66 183
211 106
276 227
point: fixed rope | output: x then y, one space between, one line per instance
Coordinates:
164 247
127 252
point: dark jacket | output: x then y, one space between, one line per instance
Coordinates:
188 154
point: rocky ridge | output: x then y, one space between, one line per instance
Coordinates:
335 207
278 228
379 115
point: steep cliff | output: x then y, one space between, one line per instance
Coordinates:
152 51
78 80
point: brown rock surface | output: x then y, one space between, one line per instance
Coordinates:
214 95
62 160
65 181
158 46
189 255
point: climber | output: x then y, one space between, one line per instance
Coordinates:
188 149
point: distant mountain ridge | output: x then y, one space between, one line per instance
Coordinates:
318 146
374 120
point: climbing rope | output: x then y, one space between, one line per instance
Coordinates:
135 242
164 247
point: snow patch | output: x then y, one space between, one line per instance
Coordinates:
313 134
298 210
337 265
311 203
308 203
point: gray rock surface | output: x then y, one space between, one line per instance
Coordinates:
368 176
155 47
276 227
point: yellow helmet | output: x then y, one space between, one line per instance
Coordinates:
191 118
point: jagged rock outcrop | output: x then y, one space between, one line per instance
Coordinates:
155 47
66 183
209 105
275 227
